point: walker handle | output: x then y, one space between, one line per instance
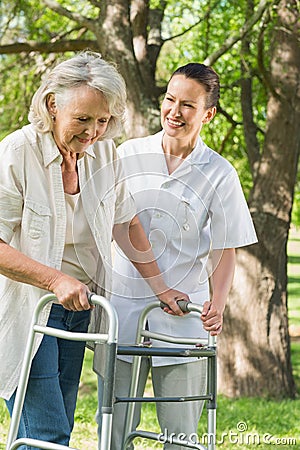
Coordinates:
183 305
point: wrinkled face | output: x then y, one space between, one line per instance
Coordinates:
81 120
183 110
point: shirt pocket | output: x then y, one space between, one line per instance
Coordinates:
186 225
36 219
191 231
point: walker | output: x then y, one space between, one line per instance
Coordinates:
207 350
109 340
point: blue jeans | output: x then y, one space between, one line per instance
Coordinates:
50 401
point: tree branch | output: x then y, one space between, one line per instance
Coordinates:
230 119
138 17
265 74
207 14
49 47
249 128
79 18
226 139
95 3
9 17
154 42
138 20
81 31
263 5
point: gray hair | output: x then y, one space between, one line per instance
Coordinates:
86 68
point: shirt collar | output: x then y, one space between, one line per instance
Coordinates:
51 151
200 154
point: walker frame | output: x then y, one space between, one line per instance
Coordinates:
109 339
208 350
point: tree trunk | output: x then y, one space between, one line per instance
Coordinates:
254 350
250 127
114 35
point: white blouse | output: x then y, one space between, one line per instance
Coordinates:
33 220
80 257
186 214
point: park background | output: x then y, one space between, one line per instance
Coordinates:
254 46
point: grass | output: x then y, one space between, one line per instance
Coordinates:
294 282
243 423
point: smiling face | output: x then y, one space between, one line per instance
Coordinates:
183 110
80 120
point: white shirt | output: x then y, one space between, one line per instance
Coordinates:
33 220
81 257
198 208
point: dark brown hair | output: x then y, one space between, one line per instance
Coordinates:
204 75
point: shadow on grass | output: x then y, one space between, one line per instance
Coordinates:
295 351
293 280
294 239
292 259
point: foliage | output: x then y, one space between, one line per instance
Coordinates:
225 18
210 23
19 88
28 21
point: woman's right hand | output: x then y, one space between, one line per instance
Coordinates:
71 293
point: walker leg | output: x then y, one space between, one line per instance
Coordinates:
136 365
108 396
21 392
106 428
211 428
212 403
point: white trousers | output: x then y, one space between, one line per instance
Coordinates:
179 418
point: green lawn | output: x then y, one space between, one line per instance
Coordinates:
242 423
294 282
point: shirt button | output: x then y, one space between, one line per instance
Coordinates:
157 215
166 185
186 226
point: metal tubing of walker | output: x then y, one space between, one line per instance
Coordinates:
110 338
159 437
141 333
108 396
211 429
36 443
136 367
212 403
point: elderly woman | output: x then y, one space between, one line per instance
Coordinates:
62 196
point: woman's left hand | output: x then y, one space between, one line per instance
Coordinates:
212 319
